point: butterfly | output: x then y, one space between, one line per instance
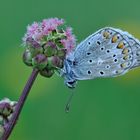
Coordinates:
109 52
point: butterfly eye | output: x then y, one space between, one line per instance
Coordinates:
71 82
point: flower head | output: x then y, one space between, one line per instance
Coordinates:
39 31
47 39
7 108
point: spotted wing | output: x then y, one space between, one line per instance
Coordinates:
107 53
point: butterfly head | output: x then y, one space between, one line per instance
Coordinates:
71 84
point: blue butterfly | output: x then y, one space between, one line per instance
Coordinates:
109 52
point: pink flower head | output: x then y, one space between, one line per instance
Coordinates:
38 30
47 44
41 31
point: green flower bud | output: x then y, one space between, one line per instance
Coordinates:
55 62
5 109
35 51
47 72
39 61
61 53
50 49
34 47
27 57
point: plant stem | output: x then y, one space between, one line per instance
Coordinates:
20 104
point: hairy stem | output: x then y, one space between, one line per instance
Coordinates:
19 105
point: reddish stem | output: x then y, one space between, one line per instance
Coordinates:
19 105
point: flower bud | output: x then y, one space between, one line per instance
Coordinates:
32 43
40 61
47 73
50 49
56 62
27 57
5 109
34 46
61 53
35 51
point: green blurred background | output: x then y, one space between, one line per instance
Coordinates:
102 109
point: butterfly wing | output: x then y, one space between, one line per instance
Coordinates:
109 52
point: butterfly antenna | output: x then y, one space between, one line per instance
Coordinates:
67 107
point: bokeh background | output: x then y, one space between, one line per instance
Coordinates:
102 109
